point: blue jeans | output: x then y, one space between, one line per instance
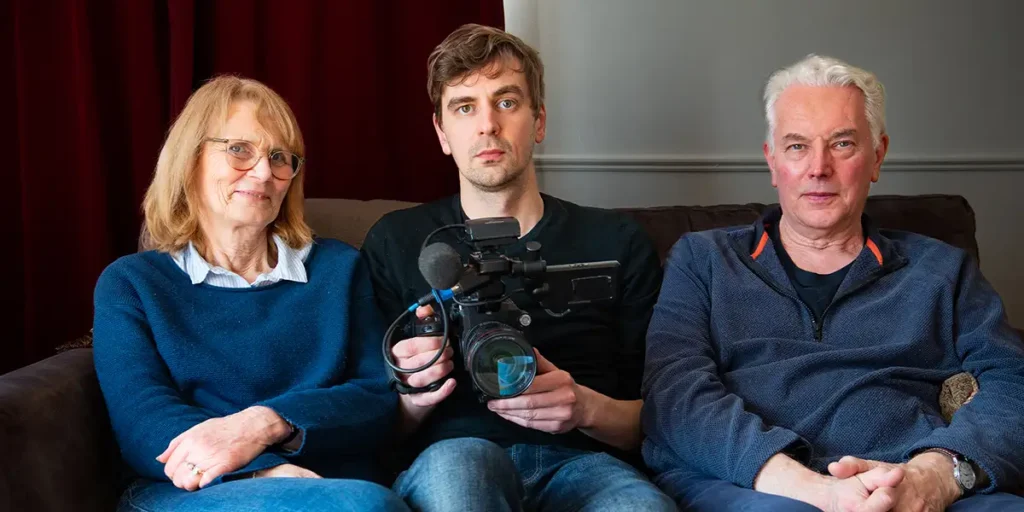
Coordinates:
697 492
475 474
260 494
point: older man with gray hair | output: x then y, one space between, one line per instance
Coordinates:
796 363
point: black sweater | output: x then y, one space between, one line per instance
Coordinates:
602 347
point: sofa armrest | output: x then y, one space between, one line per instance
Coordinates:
59 452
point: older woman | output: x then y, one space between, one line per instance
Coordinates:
241 348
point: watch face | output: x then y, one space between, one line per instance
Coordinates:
966 475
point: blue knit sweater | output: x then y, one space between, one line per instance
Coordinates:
738 369
170 355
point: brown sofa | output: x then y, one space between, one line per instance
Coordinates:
55 436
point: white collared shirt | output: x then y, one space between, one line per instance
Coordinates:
290 267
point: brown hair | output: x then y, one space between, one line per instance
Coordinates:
171 206
472 48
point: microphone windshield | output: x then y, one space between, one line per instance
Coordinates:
440 265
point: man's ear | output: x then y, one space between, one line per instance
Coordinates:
441 137
771 163
880 152
540 125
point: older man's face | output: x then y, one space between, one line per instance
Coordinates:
823 163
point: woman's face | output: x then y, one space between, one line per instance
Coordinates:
240 198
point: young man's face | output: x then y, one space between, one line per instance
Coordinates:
488 127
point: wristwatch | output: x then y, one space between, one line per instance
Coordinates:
963 471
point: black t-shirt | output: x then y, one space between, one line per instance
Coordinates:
816 290
602 347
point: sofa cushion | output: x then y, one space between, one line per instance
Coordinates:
947 218
348 219
59 450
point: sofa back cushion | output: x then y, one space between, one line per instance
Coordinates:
947 218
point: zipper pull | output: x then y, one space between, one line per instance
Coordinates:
817 329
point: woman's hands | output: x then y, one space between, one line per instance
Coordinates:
221 445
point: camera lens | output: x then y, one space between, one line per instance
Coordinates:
500 360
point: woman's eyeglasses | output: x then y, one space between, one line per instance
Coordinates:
244 155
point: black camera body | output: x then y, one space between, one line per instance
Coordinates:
492 343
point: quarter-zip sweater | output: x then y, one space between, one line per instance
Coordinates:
738 368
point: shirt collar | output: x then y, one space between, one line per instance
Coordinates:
290 265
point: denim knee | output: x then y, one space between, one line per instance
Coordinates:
362 495
461 474
328 495
467 456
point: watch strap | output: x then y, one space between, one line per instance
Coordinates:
957 461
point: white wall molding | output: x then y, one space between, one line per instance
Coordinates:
700 163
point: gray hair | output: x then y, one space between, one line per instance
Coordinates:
817 71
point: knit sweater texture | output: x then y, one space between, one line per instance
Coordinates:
738 368
170 354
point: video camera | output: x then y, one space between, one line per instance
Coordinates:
499 358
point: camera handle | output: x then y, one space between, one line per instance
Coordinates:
425 329
405 389
422 329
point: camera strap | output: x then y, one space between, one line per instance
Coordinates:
405 389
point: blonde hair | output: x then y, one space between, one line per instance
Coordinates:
171 205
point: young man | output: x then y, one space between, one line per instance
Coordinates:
551 447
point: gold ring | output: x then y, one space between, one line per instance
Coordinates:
193 469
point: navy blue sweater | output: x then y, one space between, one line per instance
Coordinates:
737 368
170 355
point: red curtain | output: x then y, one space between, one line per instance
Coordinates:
96 84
